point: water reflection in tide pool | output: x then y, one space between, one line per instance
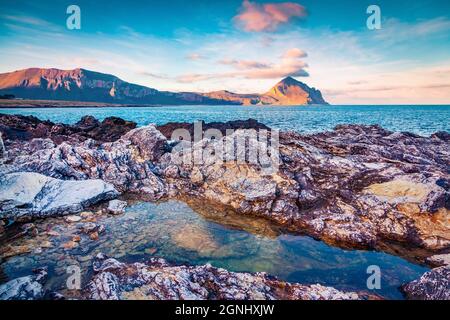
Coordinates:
174 231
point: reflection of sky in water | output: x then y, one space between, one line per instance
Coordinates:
172 230
418 119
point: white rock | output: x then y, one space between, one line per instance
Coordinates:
33 194
116 207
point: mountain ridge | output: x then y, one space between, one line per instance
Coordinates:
85 85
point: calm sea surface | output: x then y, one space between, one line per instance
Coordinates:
423 120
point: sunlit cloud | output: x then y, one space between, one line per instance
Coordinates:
256 17
289 65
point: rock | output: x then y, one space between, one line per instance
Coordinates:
93 236
151 251
439 259
89 227
76 239
34 195
158 280
116 207
126 163
101 229
72 219
11 251
195 238
356 186
18 127
53 233
433 285
86 215
70 245
25 288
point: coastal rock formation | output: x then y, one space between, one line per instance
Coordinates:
433 285
25 288
158 280
127 163
18 127
356 186
28 194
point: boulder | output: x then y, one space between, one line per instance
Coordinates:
432 285
116 207
25 288
34 195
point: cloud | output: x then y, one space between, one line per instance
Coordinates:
394 30
256 17
28 20
294 53
154 75
195 56
244 64
289 65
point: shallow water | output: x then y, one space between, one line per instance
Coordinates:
174 231
423 120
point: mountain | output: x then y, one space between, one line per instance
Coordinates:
84 85
286 92
292 92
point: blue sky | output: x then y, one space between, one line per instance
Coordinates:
242 46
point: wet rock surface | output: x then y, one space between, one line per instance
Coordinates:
28 194
18 127
356 186
116 207
433 285
25 288
159 280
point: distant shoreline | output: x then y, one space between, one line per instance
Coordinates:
13 103
48 104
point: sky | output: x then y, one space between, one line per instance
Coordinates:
242 46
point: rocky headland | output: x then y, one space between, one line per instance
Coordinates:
81 87
354 187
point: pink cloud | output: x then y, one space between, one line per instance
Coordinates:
245 64
294 53
290 64
267 17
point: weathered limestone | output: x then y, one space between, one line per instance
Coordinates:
158 280
35 195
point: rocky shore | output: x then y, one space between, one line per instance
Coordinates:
354 187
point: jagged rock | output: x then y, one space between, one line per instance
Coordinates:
25 288
18 127
355 186
35 195
127 163
433 285
156 279
439 259
116 207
